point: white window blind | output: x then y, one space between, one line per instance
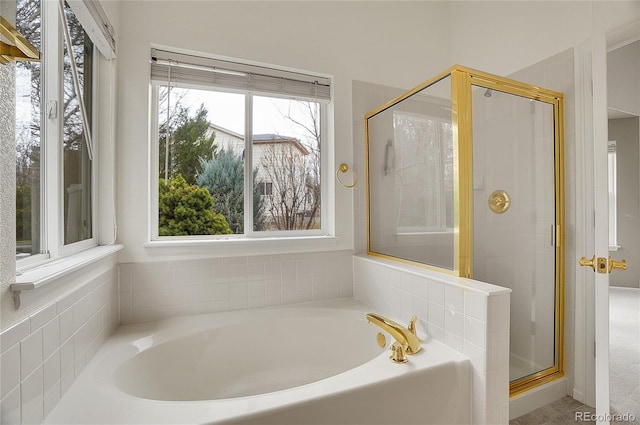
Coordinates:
198 71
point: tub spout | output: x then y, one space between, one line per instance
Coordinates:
405 337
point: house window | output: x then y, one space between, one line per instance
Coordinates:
244 141
265 188
53 134
423 157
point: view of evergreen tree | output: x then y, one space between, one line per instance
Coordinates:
189 140
186 209
223 176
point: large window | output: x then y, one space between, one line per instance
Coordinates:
238 149
54 109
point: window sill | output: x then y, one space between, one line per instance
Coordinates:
242 246
38 277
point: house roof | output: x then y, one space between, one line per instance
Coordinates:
265 138
269 138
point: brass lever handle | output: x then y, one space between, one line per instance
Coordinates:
622 265
412 325
589 263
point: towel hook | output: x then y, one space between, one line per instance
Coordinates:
343 168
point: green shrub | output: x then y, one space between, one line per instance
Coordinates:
188 210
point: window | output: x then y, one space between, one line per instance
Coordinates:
54 171
423 149
265 188
28 125
613 189
238 149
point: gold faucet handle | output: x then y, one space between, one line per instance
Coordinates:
397 353
412 324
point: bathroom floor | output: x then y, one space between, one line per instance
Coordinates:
624 374
560 412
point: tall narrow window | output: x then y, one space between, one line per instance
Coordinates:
77 165
28 132
54 102
613 189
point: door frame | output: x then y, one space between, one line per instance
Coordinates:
591 378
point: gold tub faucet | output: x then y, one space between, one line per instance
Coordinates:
406 339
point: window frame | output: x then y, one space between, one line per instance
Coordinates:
52 244
154 238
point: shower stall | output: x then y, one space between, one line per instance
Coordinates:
465 176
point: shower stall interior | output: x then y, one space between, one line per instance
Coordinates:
465 176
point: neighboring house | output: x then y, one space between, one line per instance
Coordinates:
279 160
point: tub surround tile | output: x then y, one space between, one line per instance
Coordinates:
222 284
31 398
42 316
9 370
44 352
15 334
469 316
50 337
30 353
10 407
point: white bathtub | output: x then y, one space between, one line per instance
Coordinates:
316 363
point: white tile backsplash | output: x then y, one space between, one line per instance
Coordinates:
30 353
221 284
44 352
9 370
32 398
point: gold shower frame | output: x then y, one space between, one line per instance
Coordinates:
462 81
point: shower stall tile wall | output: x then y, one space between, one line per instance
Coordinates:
43 354
159 289
469 316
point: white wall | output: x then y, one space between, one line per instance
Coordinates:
393 43
503 37
623 84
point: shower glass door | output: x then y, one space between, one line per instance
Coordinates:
465 176
514 219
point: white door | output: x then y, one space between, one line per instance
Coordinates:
601 217
602 262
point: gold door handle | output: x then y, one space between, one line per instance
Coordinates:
622 265
589 263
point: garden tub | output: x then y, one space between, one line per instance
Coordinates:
315 363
